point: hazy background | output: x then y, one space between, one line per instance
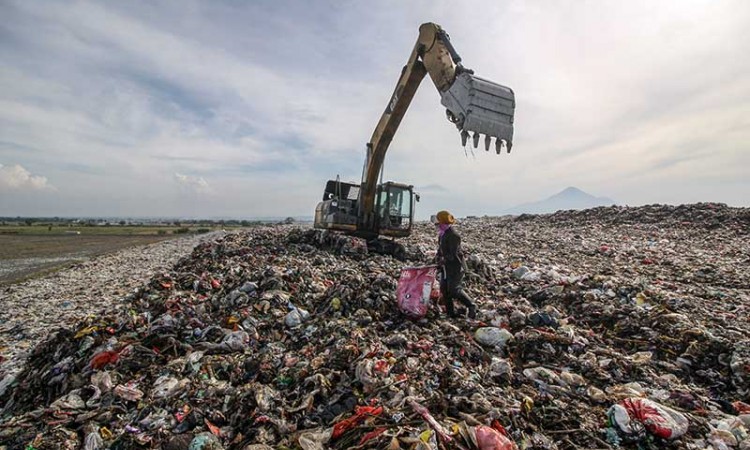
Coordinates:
245 109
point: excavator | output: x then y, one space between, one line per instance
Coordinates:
475 105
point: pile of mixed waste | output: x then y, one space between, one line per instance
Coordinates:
607 328
31 308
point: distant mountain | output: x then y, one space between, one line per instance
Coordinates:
569 198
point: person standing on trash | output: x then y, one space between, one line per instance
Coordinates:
450 259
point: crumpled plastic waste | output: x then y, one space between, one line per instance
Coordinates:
361 413
543 319
634 415
165 386
296 316
444 434
493 336
93 439
500 367
315 439
205 441
490 439
128 392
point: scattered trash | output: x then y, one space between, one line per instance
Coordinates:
287 337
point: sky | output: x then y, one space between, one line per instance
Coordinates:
245 109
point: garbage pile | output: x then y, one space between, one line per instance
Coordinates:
590 334
706 216
29 309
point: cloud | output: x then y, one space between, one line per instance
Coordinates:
16 178
639 100
194 184
432 188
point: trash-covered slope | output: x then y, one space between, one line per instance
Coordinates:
264 340
30 309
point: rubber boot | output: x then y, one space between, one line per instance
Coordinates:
449 308
472 312
464 298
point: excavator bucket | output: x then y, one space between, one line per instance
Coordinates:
481 107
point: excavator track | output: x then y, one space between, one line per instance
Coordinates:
387 247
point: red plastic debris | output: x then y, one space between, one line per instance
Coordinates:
261 419
659 420
382 366
499 427
181 415
101 359
214 429
360 414
372 435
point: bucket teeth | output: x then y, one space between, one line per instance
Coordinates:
475 135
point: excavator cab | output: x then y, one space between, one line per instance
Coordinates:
340 208
395 205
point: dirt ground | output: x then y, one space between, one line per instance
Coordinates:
26 256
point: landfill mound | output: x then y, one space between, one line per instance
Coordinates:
703 215
606 328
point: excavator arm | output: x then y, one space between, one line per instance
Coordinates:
473 104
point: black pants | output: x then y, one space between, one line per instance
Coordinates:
451 287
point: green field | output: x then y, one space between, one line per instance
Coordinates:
111 230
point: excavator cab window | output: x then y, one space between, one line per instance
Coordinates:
395 207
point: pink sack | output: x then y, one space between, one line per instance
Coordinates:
491 439
415 288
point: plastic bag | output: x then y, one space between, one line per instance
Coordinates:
633 414
443 433
491 439
360 414
315 439
236 341
205 441
101 359
128 392
165 386
296 316
497 337
102 380
415 290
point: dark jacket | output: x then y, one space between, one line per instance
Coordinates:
450 251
